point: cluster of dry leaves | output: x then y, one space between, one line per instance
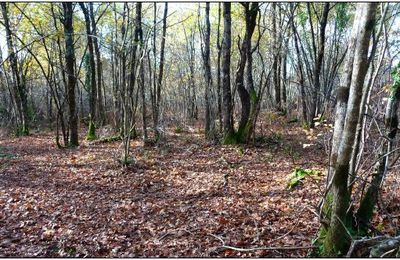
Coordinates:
185 198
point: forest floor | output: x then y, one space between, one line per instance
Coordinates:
185 198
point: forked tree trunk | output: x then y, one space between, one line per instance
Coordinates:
337 240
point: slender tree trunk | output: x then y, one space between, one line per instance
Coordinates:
342 97
318 63
368 202
210 130
99 68
336 241
161 70
248 97
226 79
139 41
69 67
92 72
219 99
18 85
275 71
300 69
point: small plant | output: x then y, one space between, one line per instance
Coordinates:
305 126
178 130
7 155
91 135
241 150
299 174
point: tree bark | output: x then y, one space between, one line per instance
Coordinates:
99 68
210 130
318 62
226 79
69 67
92 72
336 241
19 88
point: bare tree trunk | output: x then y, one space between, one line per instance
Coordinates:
99 68
18 85
368 202
275 71
70 64
318 61
342 97
161 71
219 99
92 72
336 241
226 79
139 41
300 69
210 130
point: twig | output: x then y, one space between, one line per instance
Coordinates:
388 252
344 226
219 238
267 248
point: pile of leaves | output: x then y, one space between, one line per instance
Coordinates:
185 198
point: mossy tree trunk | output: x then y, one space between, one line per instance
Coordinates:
337 240
247 94
91 71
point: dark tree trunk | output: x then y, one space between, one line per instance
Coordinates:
318 62
275 64
69 67
92 72
210 130
248 97
161 71
99 67
219 99
226 79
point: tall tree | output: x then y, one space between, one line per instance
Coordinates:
19 88
210 129
337 240
219 99
158 85
99 67
318 57
92 75
226 78
70 71
247 95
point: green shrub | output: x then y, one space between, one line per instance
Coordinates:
299 174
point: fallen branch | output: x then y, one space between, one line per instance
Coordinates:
267 248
